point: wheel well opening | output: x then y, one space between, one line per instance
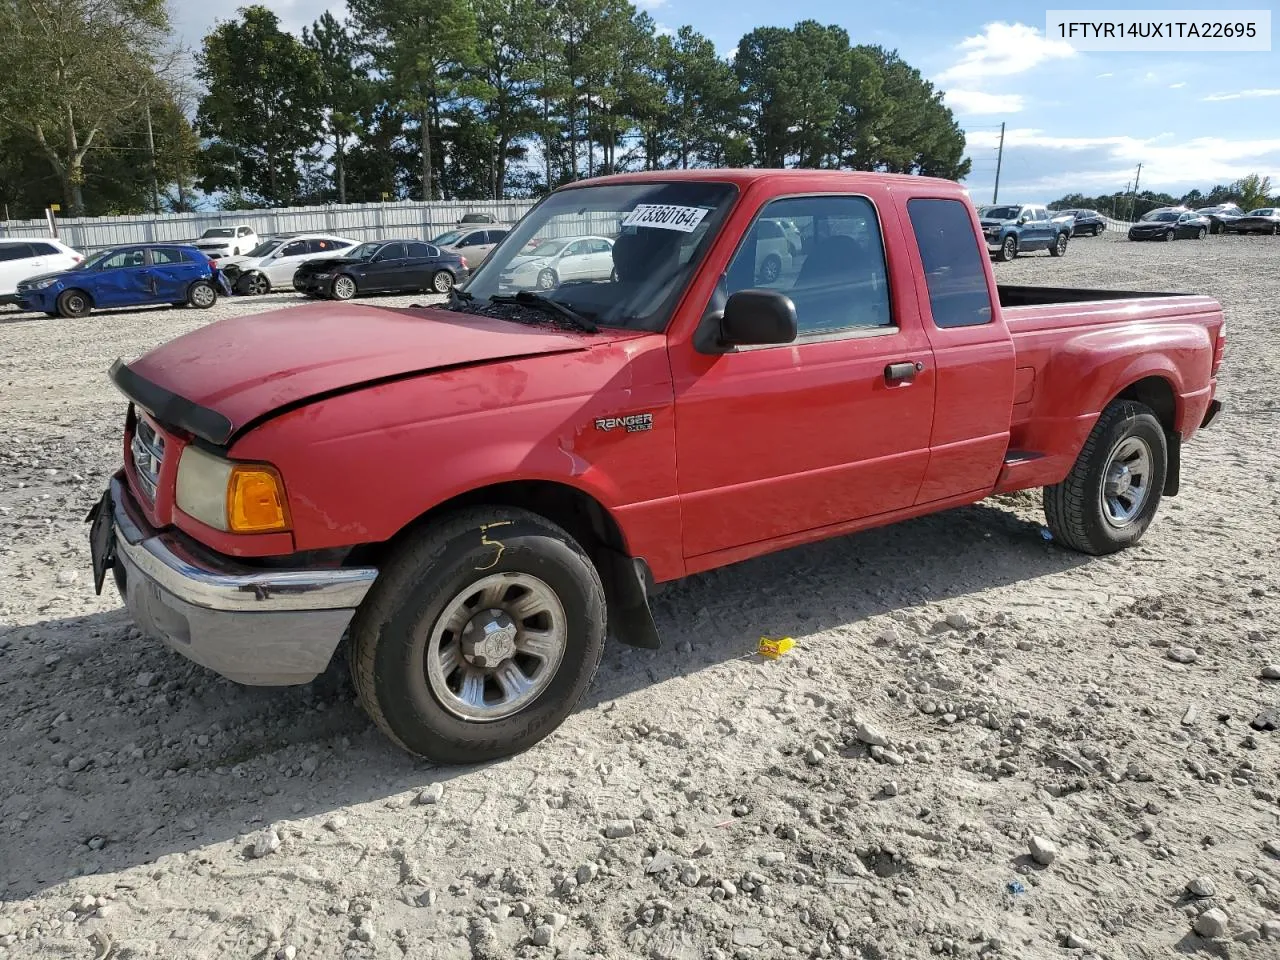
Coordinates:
580 514
1156 393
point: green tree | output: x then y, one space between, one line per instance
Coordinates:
504 75
262 109
344 89
71 73
1254 191
703 99
423 48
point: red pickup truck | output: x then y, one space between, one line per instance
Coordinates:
468 495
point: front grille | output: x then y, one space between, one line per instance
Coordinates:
147 448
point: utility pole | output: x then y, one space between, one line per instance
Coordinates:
1133 203
151 150
995 194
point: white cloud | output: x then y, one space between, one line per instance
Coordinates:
1177 86
973 102
1003 50
662 30
1103 76
1243 95
650 4
1166 161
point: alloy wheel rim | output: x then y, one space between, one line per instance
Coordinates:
343 287
443 282
203 296
1126 483
496 647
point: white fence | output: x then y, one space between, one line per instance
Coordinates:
357 221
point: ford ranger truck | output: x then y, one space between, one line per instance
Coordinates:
468 497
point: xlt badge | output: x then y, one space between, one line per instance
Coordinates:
633 423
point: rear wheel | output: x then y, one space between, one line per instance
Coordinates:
442 281
73 303
1112 493
1008 249
479 637
1059 246
1168 235
770 269
342 288
202 296
1201 233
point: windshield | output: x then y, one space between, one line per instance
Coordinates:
218 232
92 262
448 239
364 251
1163 216
1262 212
624 252
1001 213
263 249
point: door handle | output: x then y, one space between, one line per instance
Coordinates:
903 372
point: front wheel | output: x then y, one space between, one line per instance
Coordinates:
254 285
548 279
1008 249
342 288
770 269
1059 246
202 296
479 637
442 281
1168 235
73 303
1200 233
1112 493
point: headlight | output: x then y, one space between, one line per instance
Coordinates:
322 276
229 496
42 284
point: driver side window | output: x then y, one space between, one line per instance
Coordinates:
839 282
296 249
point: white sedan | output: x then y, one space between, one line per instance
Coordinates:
20 259
553 262
272 263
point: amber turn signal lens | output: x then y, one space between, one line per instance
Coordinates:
255 501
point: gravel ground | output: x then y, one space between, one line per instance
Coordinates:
981 745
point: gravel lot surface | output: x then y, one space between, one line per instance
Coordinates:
981 746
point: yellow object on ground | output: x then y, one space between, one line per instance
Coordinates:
773 649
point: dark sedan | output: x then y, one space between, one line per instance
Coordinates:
1262 220
382 266
1088 223
1221 216
1170 225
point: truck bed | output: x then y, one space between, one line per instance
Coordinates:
1030 309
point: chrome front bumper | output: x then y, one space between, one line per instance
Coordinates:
256 626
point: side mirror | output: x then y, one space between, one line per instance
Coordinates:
757 317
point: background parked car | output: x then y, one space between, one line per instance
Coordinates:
1086 223
127 277
20 259
474 243
382 266
1170 225
272 263
227 241
477 218
555 260
1014 228
1221 215
1261 220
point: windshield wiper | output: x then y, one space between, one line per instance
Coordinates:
528 298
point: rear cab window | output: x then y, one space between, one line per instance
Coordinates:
953 262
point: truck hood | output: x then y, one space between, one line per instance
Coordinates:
216 380
992 222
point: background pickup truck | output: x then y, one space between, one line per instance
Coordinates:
1011 229
467 497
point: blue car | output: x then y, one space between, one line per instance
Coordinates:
132 276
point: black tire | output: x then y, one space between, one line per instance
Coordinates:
548 279
1008 249
342 287
1275 229
201 295
1201 233
770 269
1059 246
1168 235
441 281
1074 509
73 303
391 632
253 284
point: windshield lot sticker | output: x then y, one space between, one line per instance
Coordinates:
665 216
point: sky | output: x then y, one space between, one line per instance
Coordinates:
1075 122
